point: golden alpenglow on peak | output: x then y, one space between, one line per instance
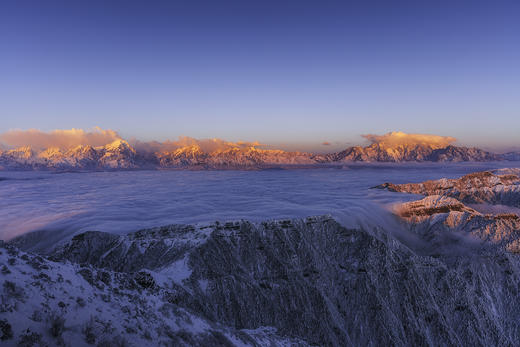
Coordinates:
400 139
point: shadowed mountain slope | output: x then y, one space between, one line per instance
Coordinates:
317 281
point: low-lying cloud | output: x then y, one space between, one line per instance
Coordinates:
396 138
60 138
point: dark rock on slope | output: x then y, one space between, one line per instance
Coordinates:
47 303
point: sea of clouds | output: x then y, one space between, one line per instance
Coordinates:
63 204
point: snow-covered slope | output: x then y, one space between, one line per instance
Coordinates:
116 155
46 303
310 280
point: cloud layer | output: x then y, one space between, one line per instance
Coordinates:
396 138
69 138
64 139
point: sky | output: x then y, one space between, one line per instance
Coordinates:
295 74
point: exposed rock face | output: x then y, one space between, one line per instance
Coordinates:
477 187
436 217
317 281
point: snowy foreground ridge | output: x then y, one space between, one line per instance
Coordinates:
121 155
293 282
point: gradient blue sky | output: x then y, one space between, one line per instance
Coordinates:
281 72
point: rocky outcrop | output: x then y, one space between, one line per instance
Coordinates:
480 187
442 216
316 281
437 218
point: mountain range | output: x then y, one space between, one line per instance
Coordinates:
121 155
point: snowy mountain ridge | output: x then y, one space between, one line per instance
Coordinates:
121 155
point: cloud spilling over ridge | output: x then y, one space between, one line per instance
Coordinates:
210 145
60 138
396 138
68 138
206 145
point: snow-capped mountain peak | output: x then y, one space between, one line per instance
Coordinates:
218 154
